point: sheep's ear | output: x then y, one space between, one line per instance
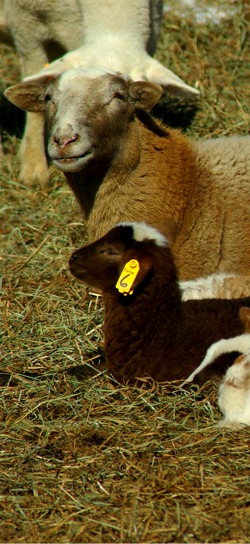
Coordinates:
144 94
245 318
29 95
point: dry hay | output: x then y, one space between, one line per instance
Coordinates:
90 461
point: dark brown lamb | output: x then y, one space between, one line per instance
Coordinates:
150 331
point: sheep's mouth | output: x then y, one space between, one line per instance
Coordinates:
72 164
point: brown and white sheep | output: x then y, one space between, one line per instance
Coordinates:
122 165
148 330
114 34
234 390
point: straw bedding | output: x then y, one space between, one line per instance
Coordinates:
88 461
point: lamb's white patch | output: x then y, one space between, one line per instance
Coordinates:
142 231
204 287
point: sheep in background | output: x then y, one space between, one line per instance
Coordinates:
234 391
216 286
114 34
39 31
126 50
148 330
122 165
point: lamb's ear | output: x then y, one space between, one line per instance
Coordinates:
29 95
144 94
145 264
245 318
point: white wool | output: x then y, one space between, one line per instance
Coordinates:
216 286
70 77
234 393
142 231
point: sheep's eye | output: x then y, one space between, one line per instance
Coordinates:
47 97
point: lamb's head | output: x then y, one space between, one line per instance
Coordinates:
87 112
122 259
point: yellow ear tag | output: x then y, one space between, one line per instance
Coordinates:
127 277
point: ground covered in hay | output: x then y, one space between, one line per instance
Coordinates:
90 461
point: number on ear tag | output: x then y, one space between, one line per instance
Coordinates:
127 277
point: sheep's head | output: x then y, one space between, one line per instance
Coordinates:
102 263
87 112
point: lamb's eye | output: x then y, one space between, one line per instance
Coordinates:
47 97
110 252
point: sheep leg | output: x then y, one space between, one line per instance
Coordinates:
34 168
33 163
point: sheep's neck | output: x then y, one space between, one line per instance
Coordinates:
144 177
106 22
86 184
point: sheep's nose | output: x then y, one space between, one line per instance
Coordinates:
63 141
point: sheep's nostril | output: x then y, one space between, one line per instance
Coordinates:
62 141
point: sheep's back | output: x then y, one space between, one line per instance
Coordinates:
216 226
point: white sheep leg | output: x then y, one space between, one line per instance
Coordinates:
30 33
34 167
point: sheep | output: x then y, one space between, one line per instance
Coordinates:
123 165
139 25
148 329
216 286
234 390
112 33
